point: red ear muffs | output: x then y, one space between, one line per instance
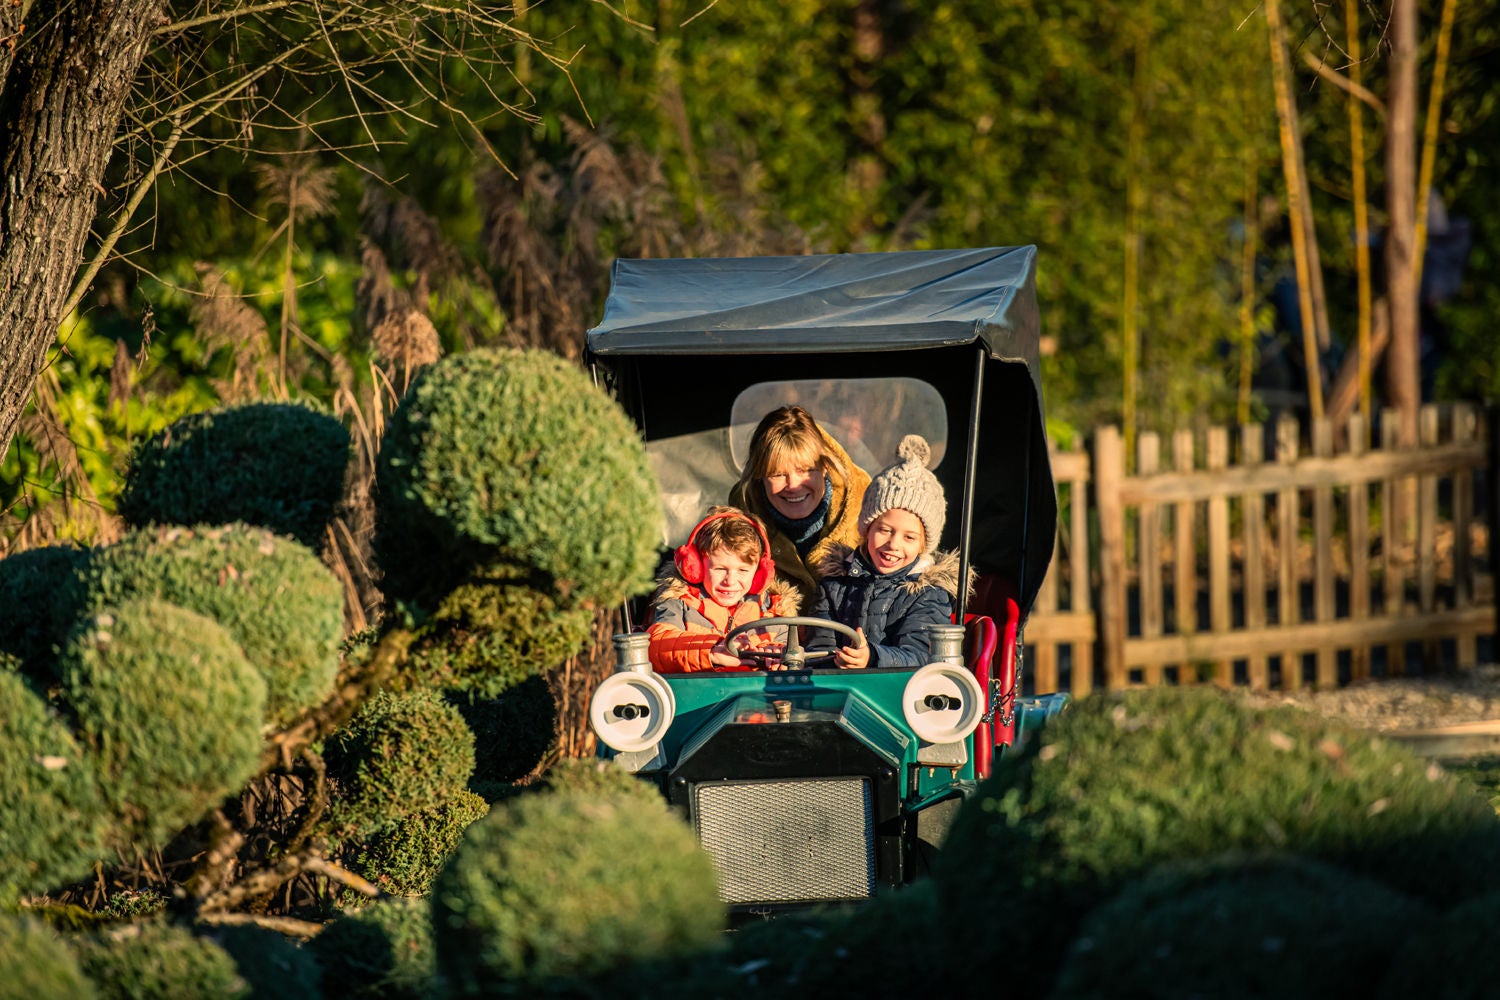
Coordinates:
690 562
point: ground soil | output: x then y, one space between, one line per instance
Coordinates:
1405 703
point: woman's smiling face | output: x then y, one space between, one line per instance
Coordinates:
796 492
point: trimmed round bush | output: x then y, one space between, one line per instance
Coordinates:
274 966
382 951
551 887
1450 958
406 856
1121 783
593 777
487 637
159 961
52 826
402 754
278 465
169 708
35 964
1236 926
512 733
35 588
510 456
283 606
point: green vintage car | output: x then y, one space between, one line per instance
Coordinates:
806 783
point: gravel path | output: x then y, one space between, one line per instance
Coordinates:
1404 703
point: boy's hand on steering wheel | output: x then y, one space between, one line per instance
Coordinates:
720 656
853 657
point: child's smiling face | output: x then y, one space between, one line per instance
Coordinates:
726 576
894 540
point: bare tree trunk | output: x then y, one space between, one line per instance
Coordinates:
867 171
1401 362
61 103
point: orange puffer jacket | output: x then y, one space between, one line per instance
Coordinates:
687 623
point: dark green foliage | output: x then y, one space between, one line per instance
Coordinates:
486 637
512 733
34 616
402 754
404 857
597 778
278 465
159 961
1451 958
127 904
35 964
52 823
1121 783
1235 926
278 601
514 457
274 966
570 885
383 951
169 708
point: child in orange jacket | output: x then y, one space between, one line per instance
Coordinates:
723 578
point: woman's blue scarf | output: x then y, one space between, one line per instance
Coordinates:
803 531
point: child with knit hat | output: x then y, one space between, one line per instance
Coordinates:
895 583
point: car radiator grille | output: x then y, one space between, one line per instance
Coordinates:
788 841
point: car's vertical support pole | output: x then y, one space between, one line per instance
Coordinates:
971 460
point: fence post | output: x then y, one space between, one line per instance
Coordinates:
1109 471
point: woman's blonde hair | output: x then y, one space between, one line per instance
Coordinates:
788 438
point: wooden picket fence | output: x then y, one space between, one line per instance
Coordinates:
1224 563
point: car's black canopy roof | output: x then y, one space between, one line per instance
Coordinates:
670 322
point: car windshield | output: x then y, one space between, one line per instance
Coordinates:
867 416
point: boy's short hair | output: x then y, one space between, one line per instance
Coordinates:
739 534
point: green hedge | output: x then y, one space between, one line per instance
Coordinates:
1237 926
406 856
35 587
274 966
382 951
402 754
53 824
1451 958
591 776
35 964
487 637
273 595
169 708
512 733
569 885
1120 783
278 465
515 457
159 961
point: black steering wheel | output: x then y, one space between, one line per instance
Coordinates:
792 656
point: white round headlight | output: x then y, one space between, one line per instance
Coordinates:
632 711
942 703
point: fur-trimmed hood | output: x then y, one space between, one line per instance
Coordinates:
940 569
671 586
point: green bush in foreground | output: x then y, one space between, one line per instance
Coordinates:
1121 783
52 823
278 465
516 457
159 961
35 964
380 952
274 966
593 777
402 754
278 601
34 586
1451 958
169 708
1236 926
404 857
512 733
569 885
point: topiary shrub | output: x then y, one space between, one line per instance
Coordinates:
487 637
508 456
35 587
282 605
274 966
169 708
1450 958
278 465
512 733
406 856
382 951
35 964
598 778
402 754
567 885
1237 926
1121 783
158 961
52 826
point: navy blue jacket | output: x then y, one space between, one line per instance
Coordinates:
893 609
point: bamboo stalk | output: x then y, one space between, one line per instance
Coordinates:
1430 130
1361 217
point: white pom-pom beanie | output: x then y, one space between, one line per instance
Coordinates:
910 486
